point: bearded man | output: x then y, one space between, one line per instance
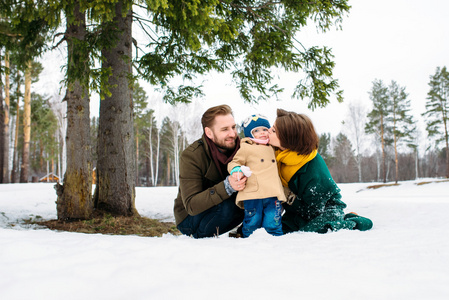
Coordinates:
205 205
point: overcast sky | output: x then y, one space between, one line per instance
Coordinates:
389 40
401 40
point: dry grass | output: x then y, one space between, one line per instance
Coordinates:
376 186
108 224
433 181
381 185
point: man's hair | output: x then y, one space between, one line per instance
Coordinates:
296 132
208 118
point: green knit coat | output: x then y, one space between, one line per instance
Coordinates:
318 206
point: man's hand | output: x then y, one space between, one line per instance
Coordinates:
237 181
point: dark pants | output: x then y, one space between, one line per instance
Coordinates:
214 221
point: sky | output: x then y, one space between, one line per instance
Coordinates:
401 40
404 256
396 40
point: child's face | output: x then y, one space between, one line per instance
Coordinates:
260 133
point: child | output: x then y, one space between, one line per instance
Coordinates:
263 192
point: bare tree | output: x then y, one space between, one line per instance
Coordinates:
355 129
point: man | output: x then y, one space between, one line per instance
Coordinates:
205 205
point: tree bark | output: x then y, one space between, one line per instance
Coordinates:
383 149
25 166
75 195
137 156
6 122
15 157
158 148
2 132
115 189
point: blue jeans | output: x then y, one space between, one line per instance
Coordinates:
214 221
264 213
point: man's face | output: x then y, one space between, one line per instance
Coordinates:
223 132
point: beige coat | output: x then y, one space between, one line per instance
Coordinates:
264 181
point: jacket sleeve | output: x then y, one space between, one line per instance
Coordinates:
198 193
239 158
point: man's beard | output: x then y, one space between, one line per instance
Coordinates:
225 147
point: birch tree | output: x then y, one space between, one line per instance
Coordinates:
354 128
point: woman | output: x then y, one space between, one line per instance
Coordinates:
315 201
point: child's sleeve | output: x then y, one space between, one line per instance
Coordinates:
238 160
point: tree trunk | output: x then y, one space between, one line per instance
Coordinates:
359 166
115 189
383 149
148 181
6 122
175 152
396 160
416 164
158 148
25 166
15 155
2 132
137 156
167 180
446 136
150 143
75 195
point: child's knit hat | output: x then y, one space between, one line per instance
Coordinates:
252 122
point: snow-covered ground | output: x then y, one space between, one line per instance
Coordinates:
405 255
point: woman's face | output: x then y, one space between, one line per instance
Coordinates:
274 140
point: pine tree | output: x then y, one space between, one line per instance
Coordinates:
44 126
378 119
140 103
248 38
400 118
24 33
325 149
116 165
344 159
437 110
74 196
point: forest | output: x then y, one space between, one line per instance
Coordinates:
159 144
127 146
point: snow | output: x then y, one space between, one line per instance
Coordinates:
404 256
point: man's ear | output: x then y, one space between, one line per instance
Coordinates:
208 132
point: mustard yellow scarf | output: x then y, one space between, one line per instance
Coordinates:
289 162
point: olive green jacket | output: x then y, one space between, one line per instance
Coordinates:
200 183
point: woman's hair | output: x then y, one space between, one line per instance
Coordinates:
208 118
296 132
